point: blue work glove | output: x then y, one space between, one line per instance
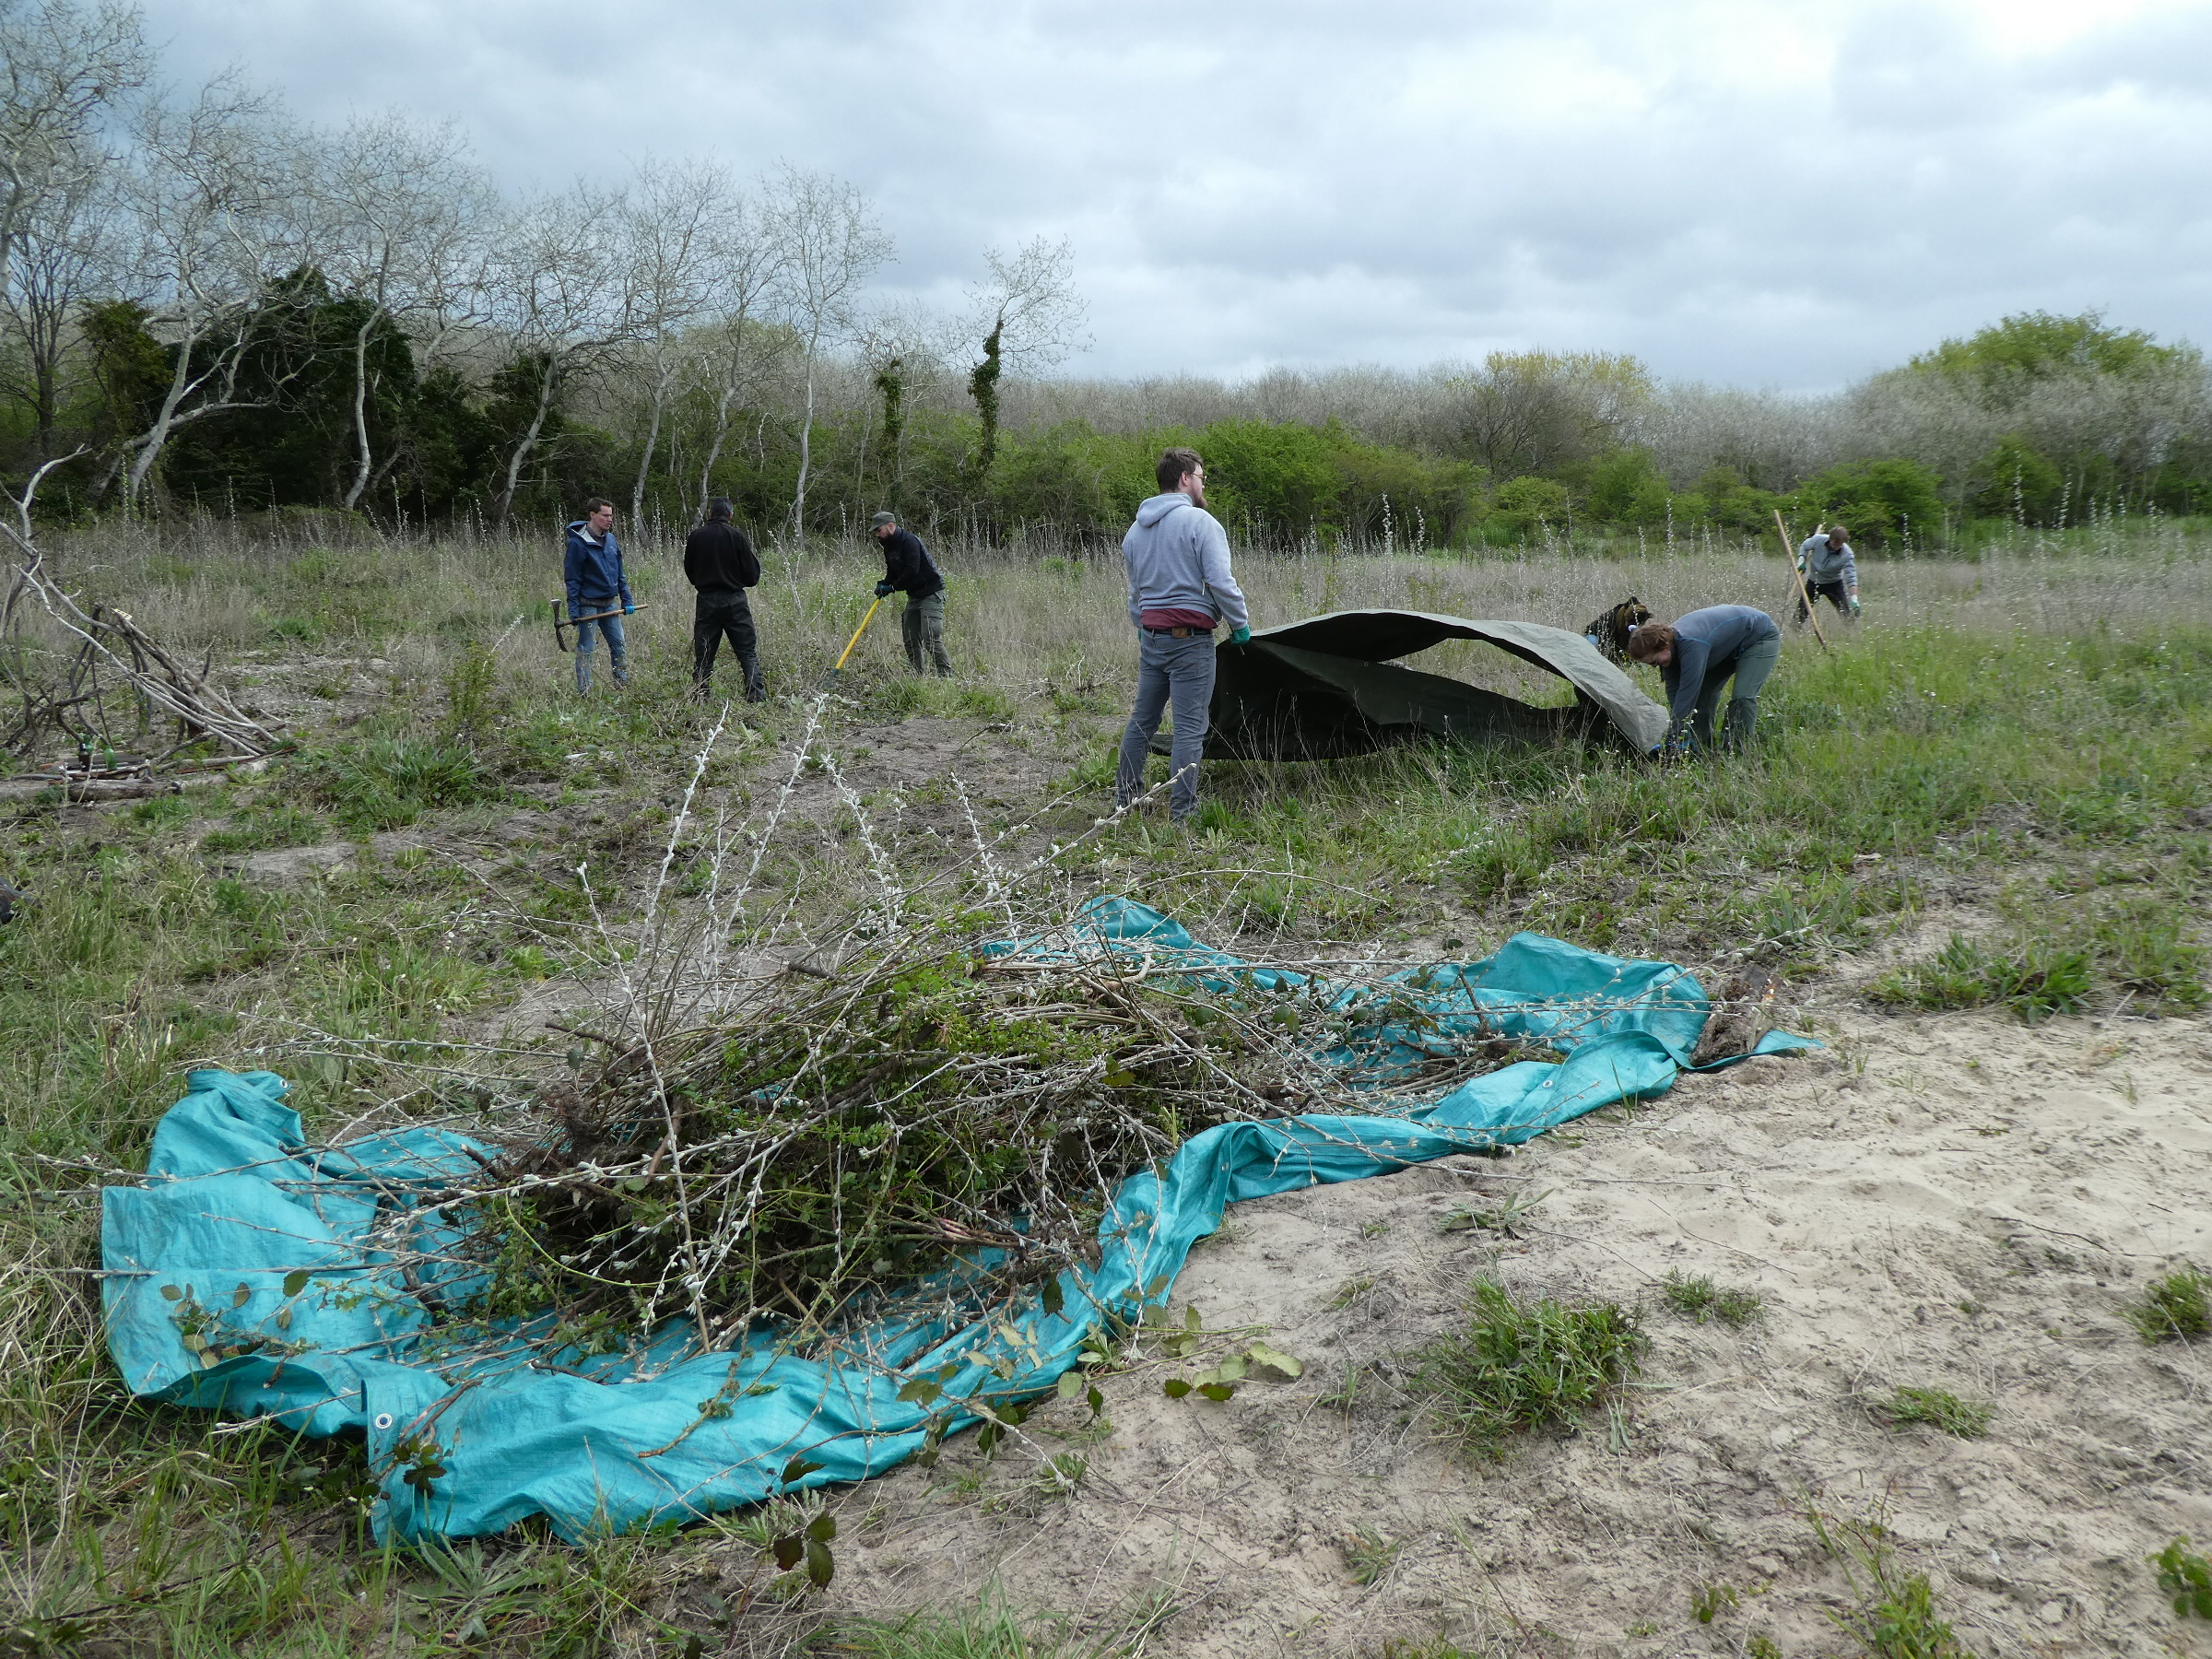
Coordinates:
629 610
1242 636
882 588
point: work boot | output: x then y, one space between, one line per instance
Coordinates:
755 684
1742 719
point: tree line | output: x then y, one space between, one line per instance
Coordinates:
210 306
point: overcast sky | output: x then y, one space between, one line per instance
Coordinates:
1774 195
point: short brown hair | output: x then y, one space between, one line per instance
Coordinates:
593 505
1648 640
1176 465
1836 532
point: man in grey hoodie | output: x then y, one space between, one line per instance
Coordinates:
1180 590
1830 571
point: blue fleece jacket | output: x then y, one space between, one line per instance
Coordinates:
1178 559
1707 642
594 569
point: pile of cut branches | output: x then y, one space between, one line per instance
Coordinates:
930 1114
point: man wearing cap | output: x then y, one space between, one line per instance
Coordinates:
1180 590
907 568
720 562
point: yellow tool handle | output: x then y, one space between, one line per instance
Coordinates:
856 633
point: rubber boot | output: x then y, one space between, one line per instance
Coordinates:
755 685
1742 719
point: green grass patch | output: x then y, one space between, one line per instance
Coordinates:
2034 979
2176 1307
1519 1365
1939 1409
389 782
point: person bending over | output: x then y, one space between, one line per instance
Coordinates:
1830 571
908 568
1181 589
1697 655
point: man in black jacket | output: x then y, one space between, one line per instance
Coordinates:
721 564
906 565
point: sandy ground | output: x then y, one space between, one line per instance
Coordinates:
1946 1201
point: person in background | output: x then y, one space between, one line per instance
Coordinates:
719 563
1697 655
1830 571
596 586
907 568
1181 589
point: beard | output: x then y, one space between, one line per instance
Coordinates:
1197 495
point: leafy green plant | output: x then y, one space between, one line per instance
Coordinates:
1503 1217
2176 1307
1696 1297
1939 1409
388 783
2186 1577
1896 1616
1521 1365
1709 1601
1369 1554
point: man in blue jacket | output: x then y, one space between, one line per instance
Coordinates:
907 568
1180 590
595 585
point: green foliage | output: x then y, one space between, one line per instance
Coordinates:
1939 1409
1526 504
271 824
1894 502
1369 1554
1700 1299
2186 1577
2015 482
1709 1601
1627 488
2035 979
1520 1365
2033 345
388 783
2176 1307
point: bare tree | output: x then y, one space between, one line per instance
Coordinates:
208 199
1531 411
831 245
1030 317
63 68
556 289
899 344
400 212
730 358
677 223
65 253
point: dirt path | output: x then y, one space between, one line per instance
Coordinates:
1952 1201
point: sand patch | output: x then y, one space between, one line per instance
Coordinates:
1954 1202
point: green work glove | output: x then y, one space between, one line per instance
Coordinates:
1854 604
1242 636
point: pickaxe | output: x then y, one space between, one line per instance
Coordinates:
560 621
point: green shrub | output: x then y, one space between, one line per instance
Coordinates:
2186 1577
1879 502
1523 1365
1528 503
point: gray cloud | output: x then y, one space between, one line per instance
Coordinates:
1735 191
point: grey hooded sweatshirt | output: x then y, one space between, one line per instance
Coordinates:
1178 559
1820 561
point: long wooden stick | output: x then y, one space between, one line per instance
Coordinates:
1798 577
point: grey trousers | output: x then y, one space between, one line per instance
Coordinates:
1750 669
1181 672
922 626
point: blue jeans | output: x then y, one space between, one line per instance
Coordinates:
1181 672
617 651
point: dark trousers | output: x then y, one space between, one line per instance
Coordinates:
1830 591
715 617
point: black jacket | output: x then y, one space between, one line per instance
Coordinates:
906 564
719 561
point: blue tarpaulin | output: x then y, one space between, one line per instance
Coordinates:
243 1275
